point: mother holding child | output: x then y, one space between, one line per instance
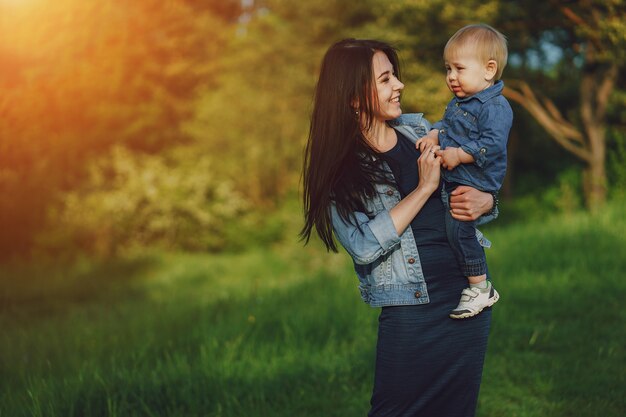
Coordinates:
411 233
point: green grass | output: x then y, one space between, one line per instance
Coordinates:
282 331
559 331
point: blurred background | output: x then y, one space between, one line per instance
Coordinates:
150 158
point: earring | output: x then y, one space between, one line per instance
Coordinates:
356 112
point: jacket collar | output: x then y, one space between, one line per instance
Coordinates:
408 119
486 94
410 124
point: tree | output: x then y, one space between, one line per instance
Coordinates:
267 84
79 77
592 38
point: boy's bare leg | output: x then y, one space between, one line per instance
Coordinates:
477 279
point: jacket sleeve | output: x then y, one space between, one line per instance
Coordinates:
494 124
376 236
486 218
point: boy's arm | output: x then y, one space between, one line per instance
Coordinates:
452 157
494 124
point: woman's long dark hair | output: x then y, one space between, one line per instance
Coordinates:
340 166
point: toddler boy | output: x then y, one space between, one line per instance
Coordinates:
473 135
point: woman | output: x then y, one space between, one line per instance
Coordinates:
362 185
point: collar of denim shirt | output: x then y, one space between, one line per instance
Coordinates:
486 94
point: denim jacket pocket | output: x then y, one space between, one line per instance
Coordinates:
466 125
382 270
376 273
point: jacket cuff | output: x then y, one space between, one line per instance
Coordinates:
384 230
478 153
491 215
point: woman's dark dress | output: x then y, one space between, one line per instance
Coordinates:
427 364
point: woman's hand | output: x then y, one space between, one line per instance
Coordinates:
429 171
429 165
467 203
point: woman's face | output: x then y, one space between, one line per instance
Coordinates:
388 88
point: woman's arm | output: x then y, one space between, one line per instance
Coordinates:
371 238
429 166
467 203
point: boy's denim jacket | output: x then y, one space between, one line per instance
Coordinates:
387 265
479 125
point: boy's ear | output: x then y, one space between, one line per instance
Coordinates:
491 69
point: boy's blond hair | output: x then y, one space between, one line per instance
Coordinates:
487 43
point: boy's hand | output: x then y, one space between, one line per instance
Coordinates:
453 157
449 158
431 139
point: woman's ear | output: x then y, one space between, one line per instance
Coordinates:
490 70
356 109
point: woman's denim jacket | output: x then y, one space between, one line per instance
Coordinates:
387 265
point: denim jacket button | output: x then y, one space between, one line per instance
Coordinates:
411 260
418 294
389 193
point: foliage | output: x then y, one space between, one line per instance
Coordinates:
257 119
233 82
79 77
591 36
254 123
173 200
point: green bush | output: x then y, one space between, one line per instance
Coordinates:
565 196
172 201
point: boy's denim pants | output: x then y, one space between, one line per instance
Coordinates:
462 237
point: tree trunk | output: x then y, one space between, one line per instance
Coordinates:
595 89
588 143
594 177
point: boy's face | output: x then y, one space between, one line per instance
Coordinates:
467 74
